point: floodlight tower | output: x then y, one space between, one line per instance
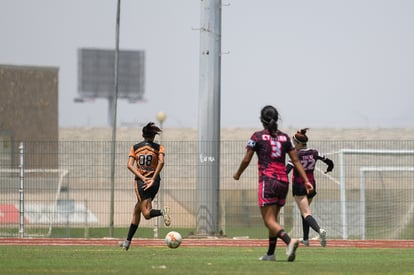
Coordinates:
209 118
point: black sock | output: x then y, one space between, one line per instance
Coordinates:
313 223
132 229
272 245
284 236
155 213
305 227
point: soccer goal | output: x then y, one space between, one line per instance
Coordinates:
395 201
29 200
369 195
385 197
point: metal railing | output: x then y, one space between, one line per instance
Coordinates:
76 191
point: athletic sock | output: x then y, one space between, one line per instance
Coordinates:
305 227
155 213
272 245
312 223
284 236
132 229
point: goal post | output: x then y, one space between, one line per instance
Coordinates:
343 179
46 183
363 171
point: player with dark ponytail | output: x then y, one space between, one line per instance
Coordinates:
308 157
271 147
146 160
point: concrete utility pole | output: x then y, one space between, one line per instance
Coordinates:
114 110
208 184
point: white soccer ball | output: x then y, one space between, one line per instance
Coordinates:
173 239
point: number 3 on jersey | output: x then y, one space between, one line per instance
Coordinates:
276 148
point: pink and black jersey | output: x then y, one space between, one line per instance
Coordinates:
308 159
271 152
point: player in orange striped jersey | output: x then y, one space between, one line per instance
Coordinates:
146 160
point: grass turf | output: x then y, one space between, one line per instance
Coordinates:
201 260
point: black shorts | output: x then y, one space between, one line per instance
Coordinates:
299 189
149 193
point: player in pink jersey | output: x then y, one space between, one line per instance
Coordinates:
308 157
271 147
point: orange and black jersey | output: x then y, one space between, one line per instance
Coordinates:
146 155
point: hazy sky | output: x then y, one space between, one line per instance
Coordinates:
322 63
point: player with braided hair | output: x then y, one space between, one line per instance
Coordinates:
308 157
146 160
271 147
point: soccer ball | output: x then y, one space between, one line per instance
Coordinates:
173 239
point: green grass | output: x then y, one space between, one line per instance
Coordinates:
200 260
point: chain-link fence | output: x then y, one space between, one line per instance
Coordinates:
369 195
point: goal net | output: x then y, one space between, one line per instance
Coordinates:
369 195
32 204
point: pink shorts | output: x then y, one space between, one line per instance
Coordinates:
272 191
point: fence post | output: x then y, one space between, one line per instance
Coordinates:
21 190
86 229
343 195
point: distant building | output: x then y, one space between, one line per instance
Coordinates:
29 114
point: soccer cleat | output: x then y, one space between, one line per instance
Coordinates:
322 236
268 258
305 242
125 244
166 215
291 249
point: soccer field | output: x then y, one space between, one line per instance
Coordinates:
47 259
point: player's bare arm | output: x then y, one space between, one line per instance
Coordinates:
133 169
244 164
150 181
